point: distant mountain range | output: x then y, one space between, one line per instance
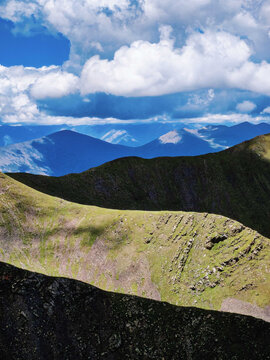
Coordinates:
16 134
68 151
234 183
131 134
176 143
59 153
220 135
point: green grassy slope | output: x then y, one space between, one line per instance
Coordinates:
188 259
54 318
233 183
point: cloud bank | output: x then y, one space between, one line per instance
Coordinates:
141 49
207 60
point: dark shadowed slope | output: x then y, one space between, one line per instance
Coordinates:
234 183
56 318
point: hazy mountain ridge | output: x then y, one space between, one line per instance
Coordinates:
176 143
136 134
59 153
230 136
16 134
67 151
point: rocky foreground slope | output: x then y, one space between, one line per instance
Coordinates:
234 183
55 318
191 259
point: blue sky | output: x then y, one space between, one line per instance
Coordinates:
118 62
37 49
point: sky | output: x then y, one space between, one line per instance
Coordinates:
83 62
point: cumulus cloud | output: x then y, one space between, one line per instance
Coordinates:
207 60
54 85
204 44
18 86
90 25
16 10
14 85
246 106
96 25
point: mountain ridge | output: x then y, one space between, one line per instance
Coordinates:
68 151
185 258
60 153
234 183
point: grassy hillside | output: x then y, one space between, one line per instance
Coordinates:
234 183
54 318
188 259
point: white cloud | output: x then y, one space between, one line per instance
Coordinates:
55 85
207 60
198 101
19 84
183 59
44 119
266 110
14 84
246 106
159 10
85 23
15 10
96 25
235 118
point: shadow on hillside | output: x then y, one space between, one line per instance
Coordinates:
234 184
